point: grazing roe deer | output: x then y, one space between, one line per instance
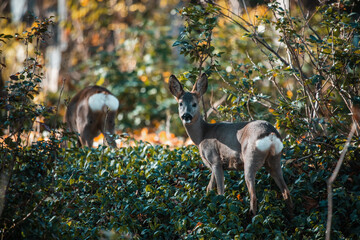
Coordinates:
90 112
224 145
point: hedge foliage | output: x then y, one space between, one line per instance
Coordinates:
154 192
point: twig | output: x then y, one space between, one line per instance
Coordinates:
216 104
254 37
224 80
332 179
299 159
272 79
246 10
58 103
248 109
320 143
29 214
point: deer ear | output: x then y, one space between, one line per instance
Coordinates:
201 85
175 87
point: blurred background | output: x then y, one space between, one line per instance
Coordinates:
124 46
127 47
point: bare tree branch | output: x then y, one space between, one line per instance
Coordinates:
216 104
332 179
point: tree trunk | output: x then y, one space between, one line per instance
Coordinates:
5 176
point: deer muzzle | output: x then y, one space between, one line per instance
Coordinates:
186 117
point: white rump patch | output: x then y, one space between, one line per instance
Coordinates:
267 142
99 100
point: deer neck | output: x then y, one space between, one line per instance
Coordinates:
196 130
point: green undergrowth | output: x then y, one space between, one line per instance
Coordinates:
154 192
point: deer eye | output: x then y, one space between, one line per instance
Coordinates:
194 104
180 104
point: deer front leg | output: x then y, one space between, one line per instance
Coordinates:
212 160
218 171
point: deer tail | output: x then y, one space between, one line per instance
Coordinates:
270 142
98 101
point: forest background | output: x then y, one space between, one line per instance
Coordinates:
293 64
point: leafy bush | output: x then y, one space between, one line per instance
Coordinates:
155 192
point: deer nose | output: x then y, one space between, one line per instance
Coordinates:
187 117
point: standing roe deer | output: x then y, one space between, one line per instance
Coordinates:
224 145
88 114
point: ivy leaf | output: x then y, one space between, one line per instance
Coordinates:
14 77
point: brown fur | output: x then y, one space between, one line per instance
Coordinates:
227 145
80 118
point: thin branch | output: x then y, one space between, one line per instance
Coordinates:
232 13
224 80
272 79
278 88
320 143
332 179
29 214
58 103
216 104
299 159
248 109
247 12
255 37
265 105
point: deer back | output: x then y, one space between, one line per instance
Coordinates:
87 112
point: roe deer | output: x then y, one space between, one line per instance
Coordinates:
224 145
88 114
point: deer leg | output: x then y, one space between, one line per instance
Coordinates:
212 183
110 139
250 183
86 136
108 128
252 164
212 161
219 177
274 168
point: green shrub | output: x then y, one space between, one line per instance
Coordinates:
155 192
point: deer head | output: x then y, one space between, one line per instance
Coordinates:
189 102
